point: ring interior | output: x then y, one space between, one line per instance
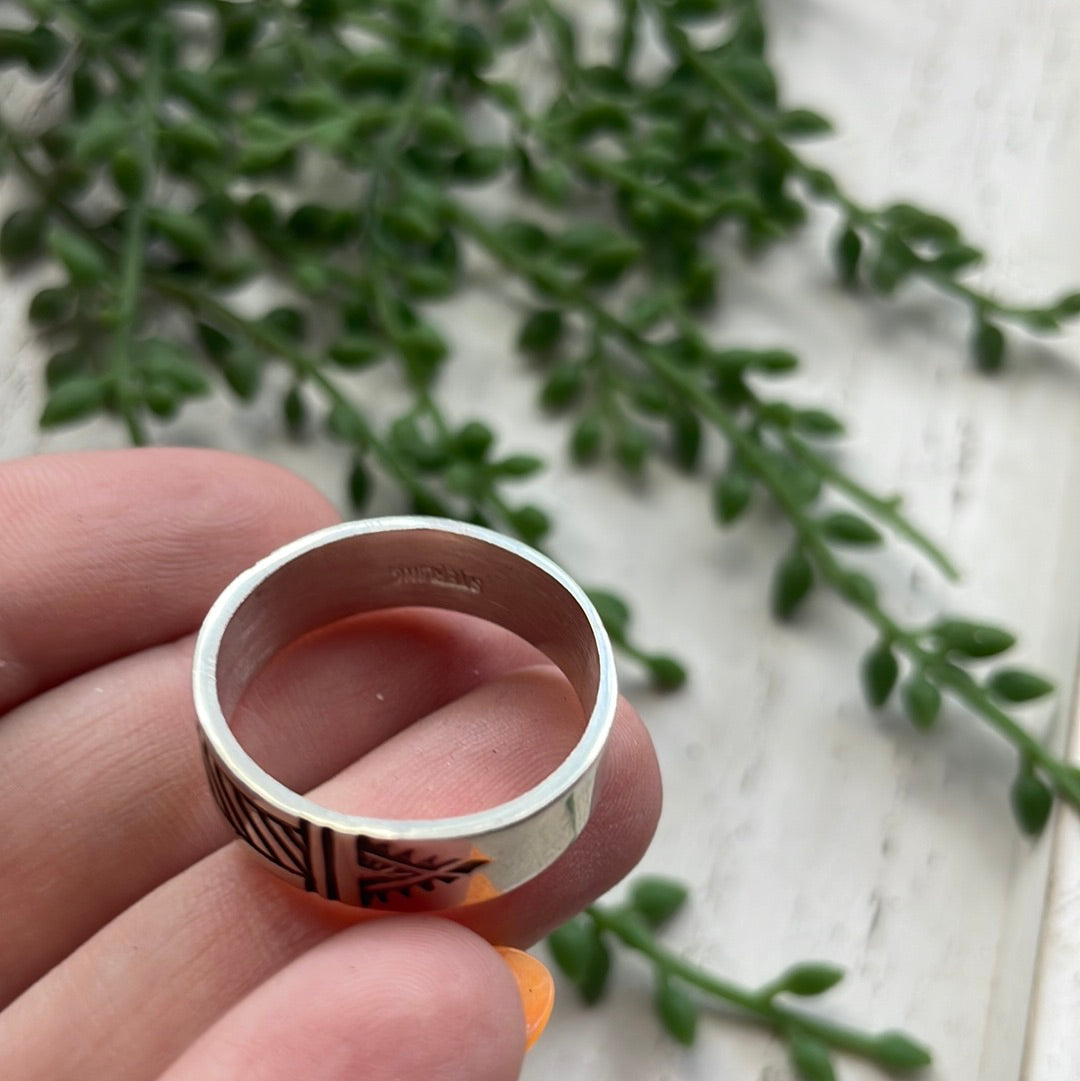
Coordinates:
415 568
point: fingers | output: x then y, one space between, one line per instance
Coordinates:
397 999
182 956
110 762
109 552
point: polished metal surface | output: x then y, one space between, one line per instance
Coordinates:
381 563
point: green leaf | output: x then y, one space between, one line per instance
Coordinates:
51 306
792 583
67 364
359 485
523 237
379 71
423 349
988 346
631 448
106 129
127 172
1018 685
597 117
242 370
880 670
353 351
817 423
677 1010
922 700
1068 306
519 465
345 424
81 258
665 673
1031 799
586 439
38 48
473 441
188 233
846 528
563 384
478 164
810 978
898 1051
541 332
686 439
656 899
530 523
645 312
916 224
294 412
442 127
570 946
579 242
427 281
581 954
803 123
958 257
170 363
72 400
731 495
970 639
892 264
810 1057
773 361
857 588
847 251
698 284
613 612
22 237
286 321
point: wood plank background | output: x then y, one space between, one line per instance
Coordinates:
807 827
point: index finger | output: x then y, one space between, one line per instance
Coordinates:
106 553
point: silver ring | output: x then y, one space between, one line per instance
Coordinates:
405 864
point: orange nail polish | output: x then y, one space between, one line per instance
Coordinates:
536 987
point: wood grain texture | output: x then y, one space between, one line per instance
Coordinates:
806 827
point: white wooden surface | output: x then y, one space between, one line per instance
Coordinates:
807 827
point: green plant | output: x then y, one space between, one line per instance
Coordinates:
163 185
582 950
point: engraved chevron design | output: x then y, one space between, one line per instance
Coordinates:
279 842
384 871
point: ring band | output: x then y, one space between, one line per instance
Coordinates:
402 865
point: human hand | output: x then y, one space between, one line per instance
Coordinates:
138 943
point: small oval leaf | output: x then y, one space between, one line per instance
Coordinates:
1031 801
677 1010
846 528
793 581
880 670
810 978
1018 685
922 700
657 899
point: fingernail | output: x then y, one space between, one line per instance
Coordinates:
536 987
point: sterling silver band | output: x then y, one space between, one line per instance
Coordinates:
381 563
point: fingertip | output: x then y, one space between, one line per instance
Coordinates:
396 999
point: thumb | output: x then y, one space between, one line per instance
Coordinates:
393 999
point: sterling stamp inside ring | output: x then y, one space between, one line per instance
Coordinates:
344 570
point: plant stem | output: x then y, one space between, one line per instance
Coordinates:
885 510
625 925
806 528
306 370
746 113
133 249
